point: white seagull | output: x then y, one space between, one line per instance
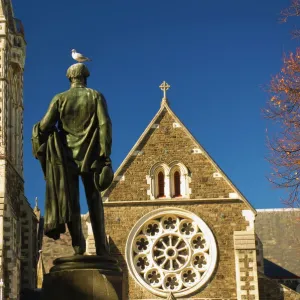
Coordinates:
79 57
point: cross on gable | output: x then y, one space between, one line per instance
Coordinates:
164 87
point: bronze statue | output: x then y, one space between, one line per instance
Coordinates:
74 139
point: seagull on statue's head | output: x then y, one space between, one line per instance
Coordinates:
79 57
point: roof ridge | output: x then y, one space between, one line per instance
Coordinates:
277 209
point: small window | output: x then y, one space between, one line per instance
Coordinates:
168 181
177 192
161 184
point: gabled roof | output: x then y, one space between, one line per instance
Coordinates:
165 106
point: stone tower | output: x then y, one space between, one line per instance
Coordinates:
16 217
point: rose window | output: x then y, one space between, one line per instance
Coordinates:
171 250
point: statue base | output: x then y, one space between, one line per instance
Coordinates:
83 277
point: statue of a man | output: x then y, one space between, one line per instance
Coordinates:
74 140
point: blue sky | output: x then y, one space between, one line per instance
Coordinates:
216 55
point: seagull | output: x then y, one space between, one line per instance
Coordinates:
79 57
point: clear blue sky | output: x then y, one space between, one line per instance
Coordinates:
216 55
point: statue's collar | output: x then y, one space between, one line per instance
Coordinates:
77 85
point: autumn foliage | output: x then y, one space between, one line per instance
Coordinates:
284 108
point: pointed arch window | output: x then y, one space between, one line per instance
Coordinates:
179 180
169 181
161 184
176 183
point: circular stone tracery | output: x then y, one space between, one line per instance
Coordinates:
171 250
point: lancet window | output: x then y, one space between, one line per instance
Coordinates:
169 181
176 182
161 184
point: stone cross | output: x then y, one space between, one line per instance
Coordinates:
164 87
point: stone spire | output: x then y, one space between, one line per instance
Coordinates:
36 210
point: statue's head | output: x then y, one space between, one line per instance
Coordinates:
78 73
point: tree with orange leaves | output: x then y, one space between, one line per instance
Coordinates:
283 108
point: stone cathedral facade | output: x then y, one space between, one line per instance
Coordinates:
182 230
177 224
17 220
179 227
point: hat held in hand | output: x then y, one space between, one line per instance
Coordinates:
104 179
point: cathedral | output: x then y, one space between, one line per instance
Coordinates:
181 229
178 226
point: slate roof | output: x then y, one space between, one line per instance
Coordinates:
279 232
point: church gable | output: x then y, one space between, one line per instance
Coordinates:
167 162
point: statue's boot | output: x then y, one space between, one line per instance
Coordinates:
78 241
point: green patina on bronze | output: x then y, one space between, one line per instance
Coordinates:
74 139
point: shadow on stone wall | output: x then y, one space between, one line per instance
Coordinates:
116 253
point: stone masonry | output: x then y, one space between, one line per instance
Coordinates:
210 196
165 143
17 221
223 219
213 198
246 265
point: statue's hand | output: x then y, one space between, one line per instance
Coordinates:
100 163
97 166
107 161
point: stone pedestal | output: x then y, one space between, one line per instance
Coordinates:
83 278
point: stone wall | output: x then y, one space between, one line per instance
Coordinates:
166 143
246 265
223 219
13 198
29 251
